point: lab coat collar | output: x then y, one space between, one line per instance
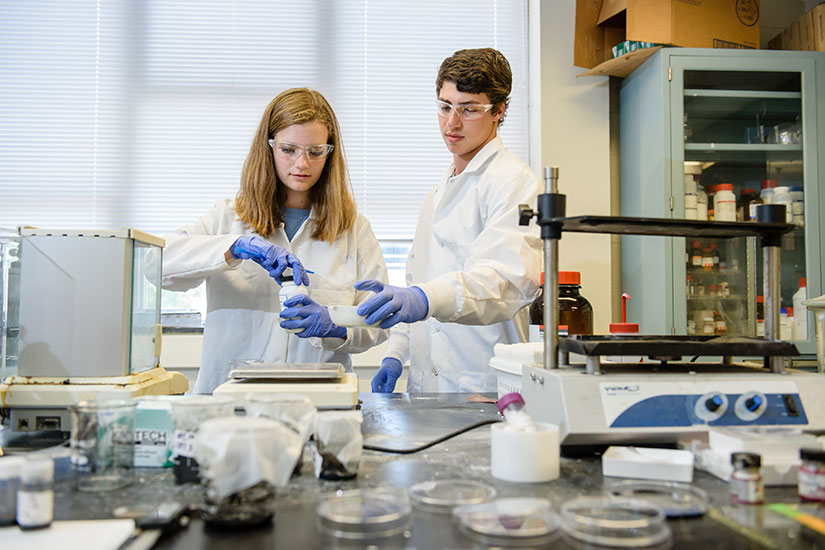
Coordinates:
477 163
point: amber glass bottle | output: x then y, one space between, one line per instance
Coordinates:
574 309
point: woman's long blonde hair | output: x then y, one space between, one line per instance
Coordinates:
262 195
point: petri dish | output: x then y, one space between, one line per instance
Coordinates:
614 521
365 513
509 521
677 500
445 494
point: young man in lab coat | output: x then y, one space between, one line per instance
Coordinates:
472 268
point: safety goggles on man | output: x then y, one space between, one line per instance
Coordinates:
292 151
471 111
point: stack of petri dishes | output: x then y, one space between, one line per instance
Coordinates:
614 521
677 500
441 496
365 513
509 521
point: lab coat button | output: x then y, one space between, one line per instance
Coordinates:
435 371
438 330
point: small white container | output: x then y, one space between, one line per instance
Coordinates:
288 290
524 457
347 316
648 463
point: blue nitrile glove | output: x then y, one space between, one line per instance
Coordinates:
275 259
314 318
392 304
384 380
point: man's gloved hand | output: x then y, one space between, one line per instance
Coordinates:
275 259
392 304
386 377
314 318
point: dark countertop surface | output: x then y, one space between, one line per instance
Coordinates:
403 421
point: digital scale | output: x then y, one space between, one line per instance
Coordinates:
600 403
81 322
327 385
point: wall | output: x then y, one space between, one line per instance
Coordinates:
574 135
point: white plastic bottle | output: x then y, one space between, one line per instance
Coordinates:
701 203
785 325
288 290
511 406
800 312
797 205
782 195
691 200
724 203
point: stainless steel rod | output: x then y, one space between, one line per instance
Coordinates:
551 282
771 292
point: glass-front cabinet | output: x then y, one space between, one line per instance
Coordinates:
709 135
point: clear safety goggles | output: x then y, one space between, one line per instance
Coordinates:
471 111
292 151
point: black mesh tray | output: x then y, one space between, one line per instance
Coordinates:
673 346
624 225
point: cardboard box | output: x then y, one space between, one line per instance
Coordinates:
818 27
601 24
806 33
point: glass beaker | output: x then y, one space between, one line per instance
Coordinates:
189 413
102 443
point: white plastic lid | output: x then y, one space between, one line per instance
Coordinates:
614 521
10 466
675 499
37 469
444 494
509 521
365 513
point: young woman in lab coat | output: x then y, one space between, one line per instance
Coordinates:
471 268
294 209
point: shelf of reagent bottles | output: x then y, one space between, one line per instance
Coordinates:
675 345
622 225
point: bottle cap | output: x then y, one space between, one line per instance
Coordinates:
286 278
745 460
542 277
769 184
508 399
760 299
624 328
748 191
570 278
714 246
795 188
811 453
724 187
696 244
37 469
803 282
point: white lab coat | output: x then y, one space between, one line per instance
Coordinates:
242 319
477 266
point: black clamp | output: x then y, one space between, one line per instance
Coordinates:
551 207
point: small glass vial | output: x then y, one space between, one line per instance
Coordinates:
511 407
9 483
746 485
35 497
575 310
536 328
812 475
288 290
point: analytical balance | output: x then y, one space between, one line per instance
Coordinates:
85 323
604 403
327 385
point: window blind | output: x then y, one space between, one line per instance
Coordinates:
119 113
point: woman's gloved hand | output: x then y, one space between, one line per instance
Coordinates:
386 377
314 318
275 259
392 304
